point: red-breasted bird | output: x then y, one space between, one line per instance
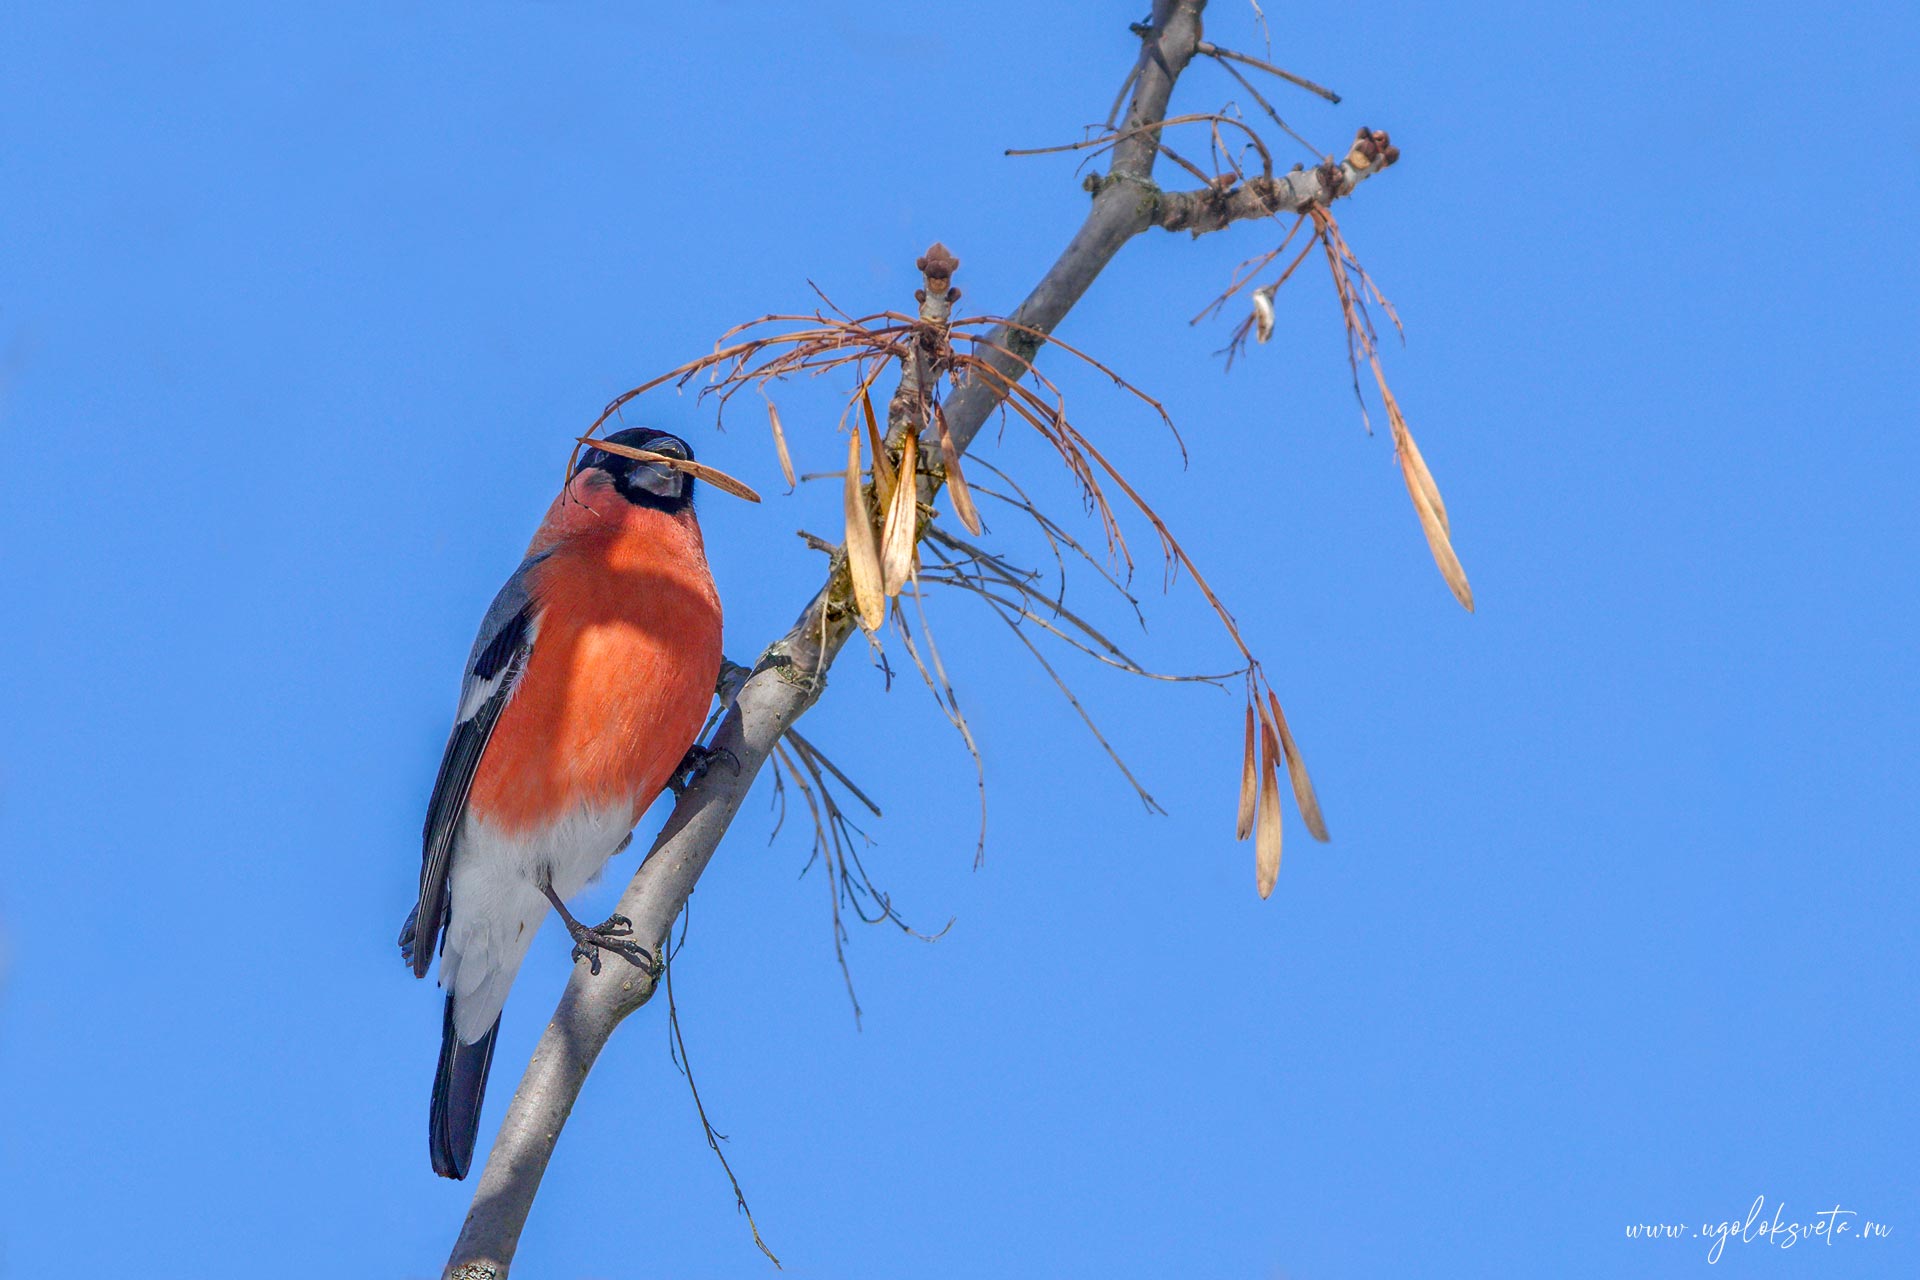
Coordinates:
584 692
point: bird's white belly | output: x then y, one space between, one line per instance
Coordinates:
496 905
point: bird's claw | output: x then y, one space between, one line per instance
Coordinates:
613 935
694 765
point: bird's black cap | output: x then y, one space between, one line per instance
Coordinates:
644 484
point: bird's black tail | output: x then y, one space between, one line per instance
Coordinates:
459 1086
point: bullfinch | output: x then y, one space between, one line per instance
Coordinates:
585 691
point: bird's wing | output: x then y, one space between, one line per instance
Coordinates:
493 673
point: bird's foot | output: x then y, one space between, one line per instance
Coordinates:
614 934
694 765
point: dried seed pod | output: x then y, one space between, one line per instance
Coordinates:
1433 523
780 446
902 522
1266 840
1303 795
1262 314
700 470
1423 476
882 465
1249 782
956 482
863 561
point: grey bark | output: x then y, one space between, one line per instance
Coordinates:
790 675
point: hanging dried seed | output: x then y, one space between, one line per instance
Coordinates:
956 483
1297 774
897 537
1249 782
882 465
1266 841
1437 541
863 562
780 446
1424 477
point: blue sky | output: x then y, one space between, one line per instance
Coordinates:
298 310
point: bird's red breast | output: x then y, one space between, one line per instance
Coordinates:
622 668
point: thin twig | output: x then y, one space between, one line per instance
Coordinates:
1107 141
834 769
946 699
714 1138
1268 107
1153 806
1212 50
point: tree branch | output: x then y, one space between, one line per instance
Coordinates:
1215 208
790 676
